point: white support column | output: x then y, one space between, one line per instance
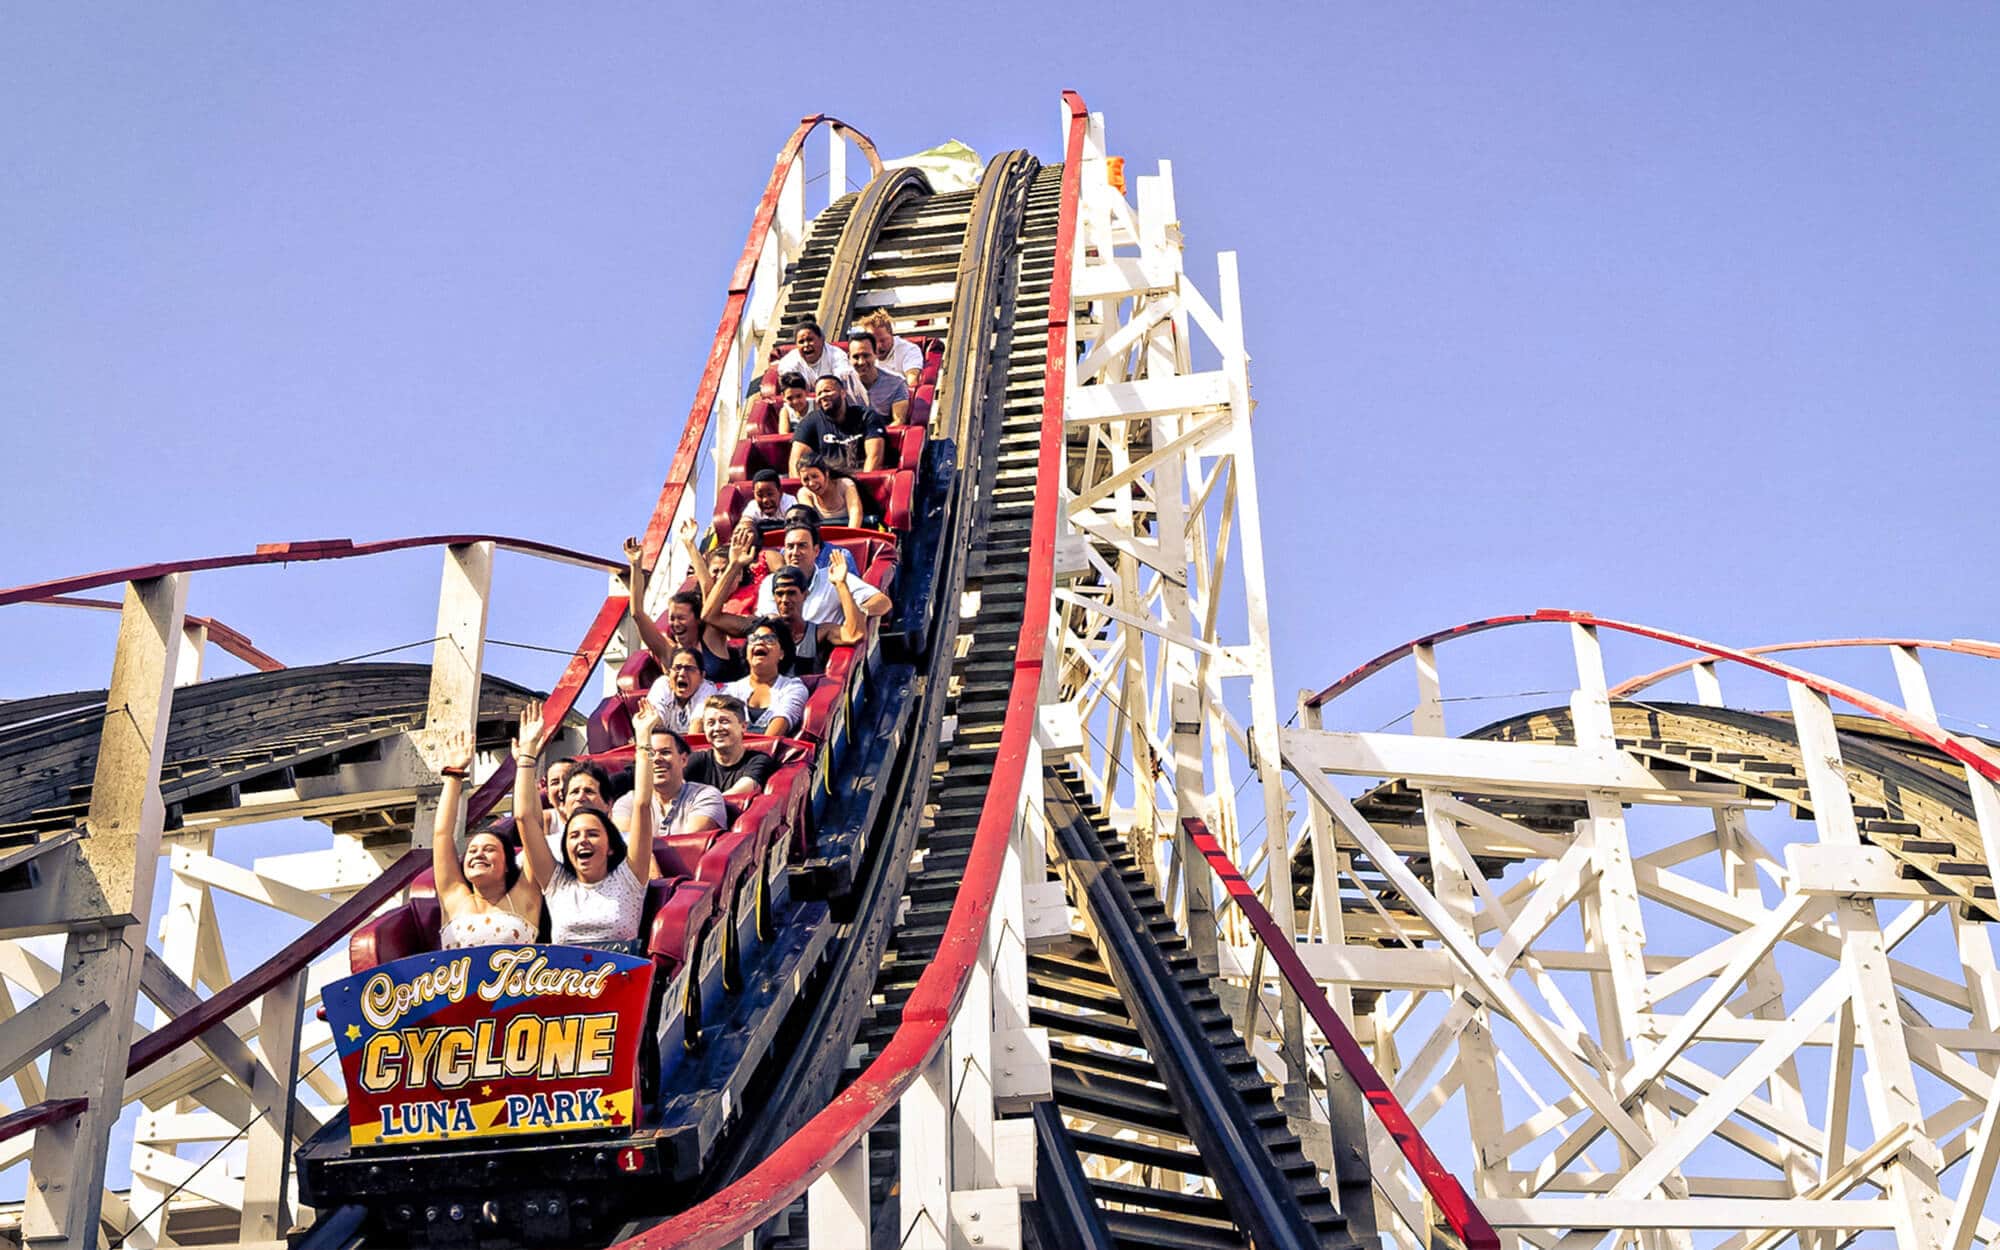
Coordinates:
837 1204
1890 1084
457 667
194 647
267 1207
924 1155
109 900
836 165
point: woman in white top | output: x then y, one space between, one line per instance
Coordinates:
831 494
596 894
485 899
777 703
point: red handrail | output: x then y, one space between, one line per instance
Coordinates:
1923 731
19 1122
302 950
1959 646
1452 1201
822 1141
232 641
295 553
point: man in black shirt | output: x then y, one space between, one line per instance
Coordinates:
846 435
726 763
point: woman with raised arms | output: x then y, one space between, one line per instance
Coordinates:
596 894
485 899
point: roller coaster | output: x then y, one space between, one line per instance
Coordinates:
994 958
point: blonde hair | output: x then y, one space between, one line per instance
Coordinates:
879 319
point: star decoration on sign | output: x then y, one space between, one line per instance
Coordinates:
353 1032
617 1117
485 1091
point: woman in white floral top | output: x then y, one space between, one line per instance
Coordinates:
485 899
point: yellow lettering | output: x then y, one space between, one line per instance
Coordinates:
421 1043
454 1052
600 1034
559 1046
378 1066
524 1042
485 1056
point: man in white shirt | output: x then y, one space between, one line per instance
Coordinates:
679 694
822 605
680 806
813 358
898 355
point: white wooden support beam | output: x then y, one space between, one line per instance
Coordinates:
1493 989
925 1156
1910 679
837 1203
458 657
1540 769
108 901
267 1208
836 174
1890 1083
194 648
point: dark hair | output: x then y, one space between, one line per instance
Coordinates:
680 651
766 475
787 647
729 703
589 768
793 379
795 578
613 838
807 324
680 744
510 853
810 527
813 460
861 336
688 599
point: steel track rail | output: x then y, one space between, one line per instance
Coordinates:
1262 1198
878 201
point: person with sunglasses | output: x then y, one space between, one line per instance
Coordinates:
774 703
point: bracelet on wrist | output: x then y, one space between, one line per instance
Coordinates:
453 771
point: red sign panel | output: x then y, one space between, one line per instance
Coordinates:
490 1040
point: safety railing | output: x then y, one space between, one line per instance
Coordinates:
1916 726
1446 1194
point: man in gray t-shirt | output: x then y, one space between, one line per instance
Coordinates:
681 806
887 393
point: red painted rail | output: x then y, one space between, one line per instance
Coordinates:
1921 730
295 553
822 1141
310 945
1959 646
1450 1197
41 1113
234 642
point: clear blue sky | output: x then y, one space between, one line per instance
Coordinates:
1685 315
